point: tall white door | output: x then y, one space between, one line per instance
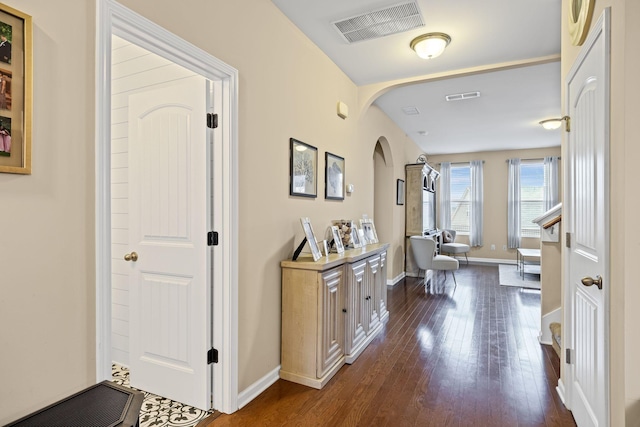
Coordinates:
588 207
169 294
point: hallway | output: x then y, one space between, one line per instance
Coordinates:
464 356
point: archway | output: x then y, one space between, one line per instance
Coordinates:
384 187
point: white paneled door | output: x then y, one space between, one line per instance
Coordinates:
169 313
588 98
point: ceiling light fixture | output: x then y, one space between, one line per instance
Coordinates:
551 124
430 45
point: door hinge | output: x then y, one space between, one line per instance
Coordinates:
212 121
567 356
212 238
212 356
568 239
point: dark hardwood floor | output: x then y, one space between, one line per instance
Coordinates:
467 356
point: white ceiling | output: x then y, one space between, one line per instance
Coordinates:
483 33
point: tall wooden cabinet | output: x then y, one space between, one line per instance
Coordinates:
331 310
420 202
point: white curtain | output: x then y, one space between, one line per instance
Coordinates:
551 196
476 209
513 205
445 196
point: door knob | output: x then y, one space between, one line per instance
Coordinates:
589 281
133 256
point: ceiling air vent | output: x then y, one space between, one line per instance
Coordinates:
380 23
461 96
410 111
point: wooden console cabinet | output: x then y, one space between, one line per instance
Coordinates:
331 310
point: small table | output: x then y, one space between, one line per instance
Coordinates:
527 253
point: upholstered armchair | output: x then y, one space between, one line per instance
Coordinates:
424 253
450 247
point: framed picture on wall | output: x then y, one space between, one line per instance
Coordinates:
16 72
303 169
333 177
400 192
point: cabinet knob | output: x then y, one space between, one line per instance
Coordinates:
344 310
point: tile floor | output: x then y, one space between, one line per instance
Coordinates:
159 411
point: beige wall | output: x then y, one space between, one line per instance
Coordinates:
624 227
47 309
495 197
287 87
551 276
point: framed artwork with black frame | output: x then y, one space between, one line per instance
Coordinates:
333 177
16 74
303 169
400 192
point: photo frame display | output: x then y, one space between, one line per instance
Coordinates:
303 169
311 238
16 75
348 230
355 236
400 192
333 177
369 230
337 239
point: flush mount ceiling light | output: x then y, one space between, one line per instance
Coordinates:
551 124
430 45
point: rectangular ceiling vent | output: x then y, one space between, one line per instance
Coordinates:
410 111
461 96
380 23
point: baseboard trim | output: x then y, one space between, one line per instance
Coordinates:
395 280
251 392
560 391
462 261
487 261
545 333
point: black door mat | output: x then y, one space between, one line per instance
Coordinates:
103 405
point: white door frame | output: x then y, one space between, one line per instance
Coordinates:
602 28
114 19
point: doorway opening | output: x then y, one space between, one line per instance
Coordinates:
384 190
114 19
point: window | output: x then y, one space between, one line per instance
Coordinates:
460 197
531 197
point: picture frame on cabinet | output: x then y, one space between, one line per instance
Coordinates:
347 229
16 75
355 236
369 230
333 177
311 238
303 169
337 239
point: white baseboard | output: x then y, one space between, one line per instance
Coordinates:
560 390
487 261
395 280
251 392
545 334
